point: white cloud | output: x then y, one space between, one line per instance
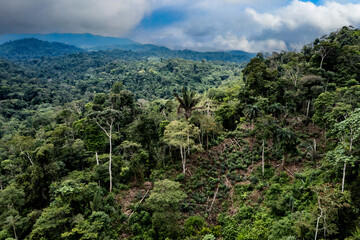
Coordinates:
106 17
231 41
326 18
251 25
226 24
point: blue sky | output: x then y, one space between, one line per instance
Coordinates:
162 17
250 25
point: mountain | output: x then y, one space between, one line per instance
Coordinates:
31 48
85 40
159 51
95 42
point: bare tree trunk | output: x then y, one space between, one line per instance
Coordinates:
12 222
343 178
322 60
110 174
97 158
142 199
318 220
13 225
214 198
307 109
183 158
27 155
109 135
263 157
188 142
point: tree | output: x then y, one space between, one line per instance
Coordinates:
106 121
164 200
310 86
276 109
11 202
286 139
252 112
117 87
92 228
323 49
52 222
207 125
323 105
348 131
264 130
181 135
330 202
292 71
26 146
259 79
187 101
94 138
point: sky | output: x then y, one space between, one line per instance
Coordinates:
248 25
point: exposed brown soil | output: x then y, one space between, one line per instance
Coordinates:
126 198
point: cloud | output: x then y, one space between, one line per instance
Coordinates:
327 17
106 17
247 25
251 25
231 41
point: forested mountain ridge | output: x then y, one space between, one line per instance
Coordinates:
31 48
84 40
271 153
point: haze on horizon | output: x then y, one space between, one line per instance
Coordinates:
249 25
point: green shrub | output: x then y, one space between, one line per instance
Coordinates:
180 177
193 225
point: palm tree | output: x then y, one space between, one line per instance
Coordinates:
252 112
187 101
276 109
286 140
311 150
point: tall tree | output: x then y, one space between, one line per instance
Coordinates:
348 131
286 140
181 135
106 121
187 102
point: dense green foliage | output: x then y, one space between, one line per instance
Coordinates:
31 48
58 81
95 147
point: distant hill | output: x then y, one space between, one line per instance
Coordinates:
95 42
85 40
31 48
144 51
116 48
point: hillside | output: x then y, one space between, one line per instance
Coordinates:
97 146
31 48
85 40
